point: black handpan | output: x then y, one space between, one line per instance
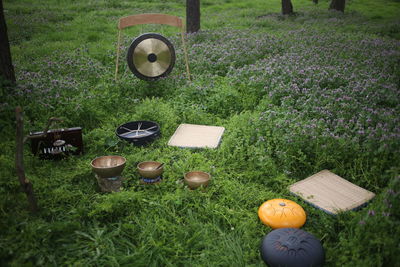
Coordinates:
292 247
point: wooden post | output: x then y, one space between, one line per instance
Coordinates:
186 55
26 185
192 16
117 60
6 67
338 5
287 7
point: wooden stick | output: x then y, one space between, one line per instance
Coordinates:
26 185
136 130
139 135
117 60
46 129
186 54
49 122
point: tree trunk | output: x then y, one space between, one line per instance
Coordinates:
26 185
338 5
287 7
315 1
192 16
6 67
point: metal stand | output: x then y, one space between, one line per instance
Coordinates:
151 19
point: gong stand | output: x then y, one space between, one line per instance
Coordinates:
151 56
151 19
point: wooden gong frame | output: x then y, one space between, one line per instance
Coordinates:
164 19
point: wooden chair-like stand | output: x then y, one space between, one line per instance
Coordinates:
151 19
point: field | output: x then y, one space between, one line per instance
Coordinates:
296 94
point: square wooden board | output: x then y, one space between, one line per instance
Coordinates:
331 193
196 136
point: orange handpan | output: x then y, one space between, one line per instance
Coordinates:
282 213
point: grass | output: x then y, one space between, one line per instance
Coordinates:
317 90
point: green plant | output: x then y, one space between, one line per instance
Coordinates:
295 95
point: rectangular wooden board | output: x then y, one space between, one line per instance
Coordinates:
197 136
331 193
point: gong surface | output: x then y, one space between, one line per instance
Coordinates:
151 56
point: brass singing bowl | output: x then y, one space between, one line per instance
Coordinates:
196 179
149 169
108 166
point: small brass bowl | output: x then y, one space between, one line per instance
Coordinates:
196 179
108 166
148 169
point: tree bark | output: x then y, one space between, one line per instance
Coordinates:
6 67
338 5
192 16
26 185
287 7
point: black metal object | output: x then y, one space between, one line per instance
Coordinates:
151 56
139 132
57 143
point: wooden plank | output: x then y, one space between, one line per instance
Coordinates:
196 136
149 19
331 192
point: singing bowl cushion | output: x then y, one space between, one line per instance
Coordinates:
282 213
292 247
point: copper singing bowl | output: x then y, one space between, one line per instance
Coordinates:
108 166
196 179
149 169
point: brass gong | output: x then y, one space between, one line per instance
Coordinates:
151 56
